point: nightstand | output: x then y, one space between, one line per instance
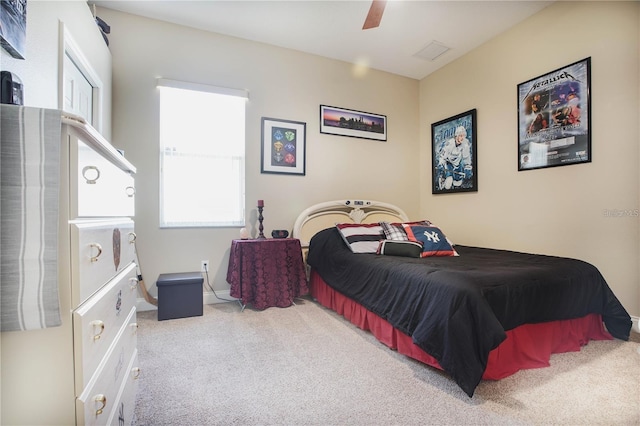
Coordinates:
266 272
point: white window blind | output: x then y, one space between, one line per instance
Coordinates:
202 156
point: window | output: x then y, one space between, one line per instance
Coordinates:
202 138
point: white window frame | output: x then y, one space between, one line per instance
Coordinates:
233 161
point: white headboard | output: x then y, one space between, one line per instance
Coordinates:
325 215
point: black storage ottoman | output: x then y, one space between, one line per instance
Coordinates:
179 295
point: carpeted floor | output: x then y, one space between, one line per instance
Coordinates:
305 365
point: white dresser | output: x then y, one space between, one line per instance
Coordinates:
86 370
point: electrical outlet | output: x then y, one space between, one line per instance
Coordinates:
204 266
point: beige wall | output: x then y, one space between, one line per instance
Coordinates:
557 211
283 84
39 72
554 211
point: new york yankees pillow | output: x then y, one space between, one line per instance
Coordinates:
434 242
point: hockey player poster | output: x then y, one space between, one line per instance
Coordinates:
554 118
454 154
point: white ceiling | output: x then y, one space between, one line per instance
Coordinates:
333 29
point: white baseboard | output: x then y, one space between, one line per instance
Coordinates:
143 305
208 298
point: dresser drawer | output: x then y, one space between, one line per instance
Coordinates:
97 401
124 407
99 250
97 322
99 187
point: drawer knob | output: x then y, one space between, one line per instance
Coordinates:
135 372
91 174
101 399
132 237
134 283
130 191
97 247
97 324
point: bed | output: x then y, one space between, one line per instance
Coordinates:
475 313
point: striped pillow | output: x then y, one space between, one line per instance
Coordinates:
361 237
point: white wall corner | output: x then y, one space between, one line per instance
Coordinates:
143 305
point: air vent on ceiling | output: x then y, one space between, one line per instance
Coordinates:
432 51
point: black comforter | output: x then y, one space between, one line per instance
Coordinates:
457 309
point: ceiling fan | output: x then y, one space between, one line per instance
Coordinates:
375 14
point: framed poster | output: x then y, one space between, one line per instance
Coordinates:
454 154
348 122
554 118
13 27
283 146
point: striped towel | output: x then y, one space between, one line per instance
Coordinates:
29 193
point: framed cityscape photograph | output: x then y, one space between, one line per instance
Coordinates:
554 118
454 154
348 122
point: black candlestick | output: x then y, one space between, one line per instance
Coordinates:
260 219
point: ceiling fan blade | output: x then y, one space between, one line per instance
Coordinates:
375 14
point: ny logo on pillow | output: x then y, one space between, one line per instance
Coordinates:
432 236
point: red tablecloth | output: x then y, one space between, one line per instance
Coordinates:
266 272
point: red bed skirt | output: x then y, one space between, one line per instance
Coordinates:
527 346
